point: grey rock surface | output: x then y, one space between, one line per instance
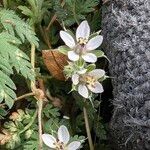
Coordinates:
126 31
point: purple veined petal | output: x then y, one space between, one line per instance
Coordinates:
97 73
89 57
75 79
73 145
67 38
63 134
94 43
83 91
83 30
49 140
73 56
97 88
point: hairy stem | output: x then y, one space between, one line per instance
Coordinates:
40 105
30 124
33 87
39 101
88 128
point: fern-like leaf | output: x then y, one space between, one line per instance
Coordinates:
33 143
13 24
14 33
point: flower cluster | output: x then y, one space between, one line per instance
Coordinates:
81 53
62 140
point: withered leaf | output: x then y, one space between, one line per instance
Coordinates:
55 62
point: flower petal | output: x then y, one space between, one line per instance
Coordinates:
83 30
83 91
89 57
82 71
75 79
94 43
73 145
67 38
97 73
73 56
63 134
97 88
49 140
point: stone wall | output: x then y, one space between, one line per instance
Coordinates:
126 31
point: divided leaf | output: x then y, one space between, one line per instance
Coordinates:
14 32
13 24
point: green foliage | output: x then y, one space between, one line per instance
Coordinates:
95 20
3 113
17 27
50 111
75 10
32 144
20 128
51 126
36 11
14 32
100 129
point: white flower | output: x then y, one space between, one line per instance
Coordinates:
61 142
89 81
82 46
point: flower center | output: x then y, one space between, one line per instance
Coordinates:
80 48
90 80
59 145
82 41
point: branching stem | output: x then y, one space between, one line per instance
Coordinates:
20 98
88 128
24 96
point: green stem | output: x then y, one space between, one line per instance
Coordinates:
30 124
88 128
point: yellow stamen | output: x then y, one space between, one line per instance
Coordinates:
59 145
82 41
90 80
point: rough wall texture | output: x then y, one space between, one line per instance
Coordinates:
126 31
